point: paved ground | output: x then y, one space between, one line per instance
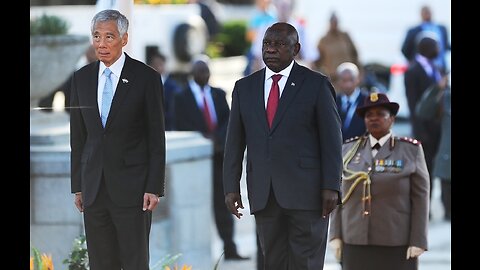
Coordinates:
224 74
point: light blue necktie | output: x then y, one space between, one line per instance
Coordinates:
107 96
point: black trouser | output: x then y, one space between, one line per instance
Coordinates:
446 197
223 217
291 239
117 237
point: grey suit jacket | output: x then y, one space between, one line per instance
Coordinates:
436 104
299 156
399 188
130 150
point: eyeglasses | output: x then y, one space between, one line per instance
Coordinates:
275 44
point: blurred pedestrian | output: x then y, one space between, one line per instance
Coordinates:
292 132
203 108
383 220
420 75
117 140
158 61
349 97
436 103
439 31
264 16
334 48
213 26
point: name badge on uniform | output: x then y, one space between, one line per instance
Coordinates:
388 165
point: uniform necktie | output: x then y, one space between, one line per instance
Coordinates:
375 149
207 115
107 96
272 102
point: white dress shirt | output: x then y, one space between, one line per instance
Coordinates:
281 83
382 141
198 93
116 69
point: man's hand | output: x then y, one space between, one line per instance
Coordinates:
413 252
79 201
150 201
233 201
336 245
329 201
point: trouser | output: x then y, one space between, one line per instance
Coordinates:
446 197
223 217
117 237
291 239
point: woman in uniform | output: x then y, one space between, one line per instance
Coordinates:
383 220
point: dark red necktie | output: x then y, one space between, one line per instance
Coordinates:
207 115
272 102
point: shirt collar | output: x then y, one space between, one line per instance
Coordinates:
196 88
382 140
285 72
116 67
353 97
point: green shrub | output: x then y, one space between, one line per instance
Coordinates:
48 25
230 41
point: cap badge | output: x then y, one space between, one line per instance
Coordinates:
373 97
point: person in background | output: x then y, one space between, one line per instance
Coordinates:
436 103
201 107
349 97
213 26
117 140
334 48
409 45
383 220
158 61
46 103
264 16
292 132
421 74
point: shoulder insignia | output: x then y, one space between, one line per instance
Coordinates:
351 139
408 139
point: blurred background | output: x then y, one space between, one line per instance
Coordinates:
181 30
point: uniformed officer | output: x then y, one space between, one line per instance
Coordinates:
382 223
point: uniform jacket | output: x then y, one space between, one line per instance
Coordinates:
130 150
189 117
398 215
299 156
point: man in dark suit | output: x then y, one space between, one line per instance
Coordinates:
409 45
117 140
286 117
349 97
170 87
420 75
200 107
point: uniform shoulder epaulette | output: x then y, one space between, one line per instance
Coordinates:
408 139
352 139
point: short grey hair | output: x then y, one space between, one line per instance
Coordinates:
348 66
111 15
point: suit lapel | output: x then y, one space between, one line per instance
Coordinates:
197 112
91 93
121 90
294 82
259 98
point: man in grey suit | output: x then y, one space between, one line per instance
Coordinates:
285 116
117 138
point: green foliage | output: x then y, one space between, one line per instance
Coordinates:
166 261
37 260
48 25
78 258
230 41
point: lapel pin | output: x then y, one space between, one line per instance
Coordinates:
124 80
292 84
